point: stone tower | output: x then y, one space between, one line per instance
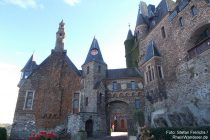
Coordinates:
94 71
141 25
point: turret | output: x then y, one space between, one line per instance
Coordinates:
129 44
141 24
94 71
94 64
27 70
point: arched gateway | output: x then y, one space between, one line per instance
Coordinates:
118 116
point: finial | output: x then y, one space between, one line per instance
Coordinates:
62 24
60 35
129 25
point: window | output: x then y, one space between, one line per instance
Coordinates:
114 86
160 73
26 74
150 74
76 103
181 22
194 11
29 100
99 69
75 106
137 103
86 101
133 85
88 69
100 98
163 32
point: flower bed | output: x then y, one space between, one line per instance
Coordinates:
43 136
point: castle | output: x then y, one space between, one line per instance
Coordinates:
167 77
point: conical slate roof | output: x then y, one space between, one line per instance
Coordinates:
130 35
94 53
151 51
30 65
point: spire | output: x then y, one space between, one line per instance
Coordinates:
30 65
94 53
60 35
151 51
130 35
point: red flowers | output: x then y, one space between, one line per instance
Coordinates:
42 136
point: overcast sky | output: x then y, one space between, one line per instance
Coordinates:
29 26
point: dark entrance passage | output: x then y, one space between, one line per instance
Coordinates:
89 128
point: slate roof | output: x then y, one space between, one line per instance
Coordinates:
72 66
155 14
130 35
30 65
151 51
98 57
123 73
140 20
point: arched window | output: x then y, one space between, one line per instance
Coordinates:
194 11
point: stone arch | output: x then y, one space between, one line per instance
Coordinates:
118 111
192 36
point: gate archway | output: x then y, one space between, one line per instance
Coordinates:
118 114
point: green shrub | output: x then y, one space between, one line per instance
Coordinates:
173 133
3 133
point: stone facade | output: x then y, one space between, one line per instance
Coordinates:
56 96
174 56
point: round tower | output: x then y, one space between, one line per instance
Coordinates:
141 24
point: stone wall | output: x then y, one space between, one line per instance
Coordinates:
186 81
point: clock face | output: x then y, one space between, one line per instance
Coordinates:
94 51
